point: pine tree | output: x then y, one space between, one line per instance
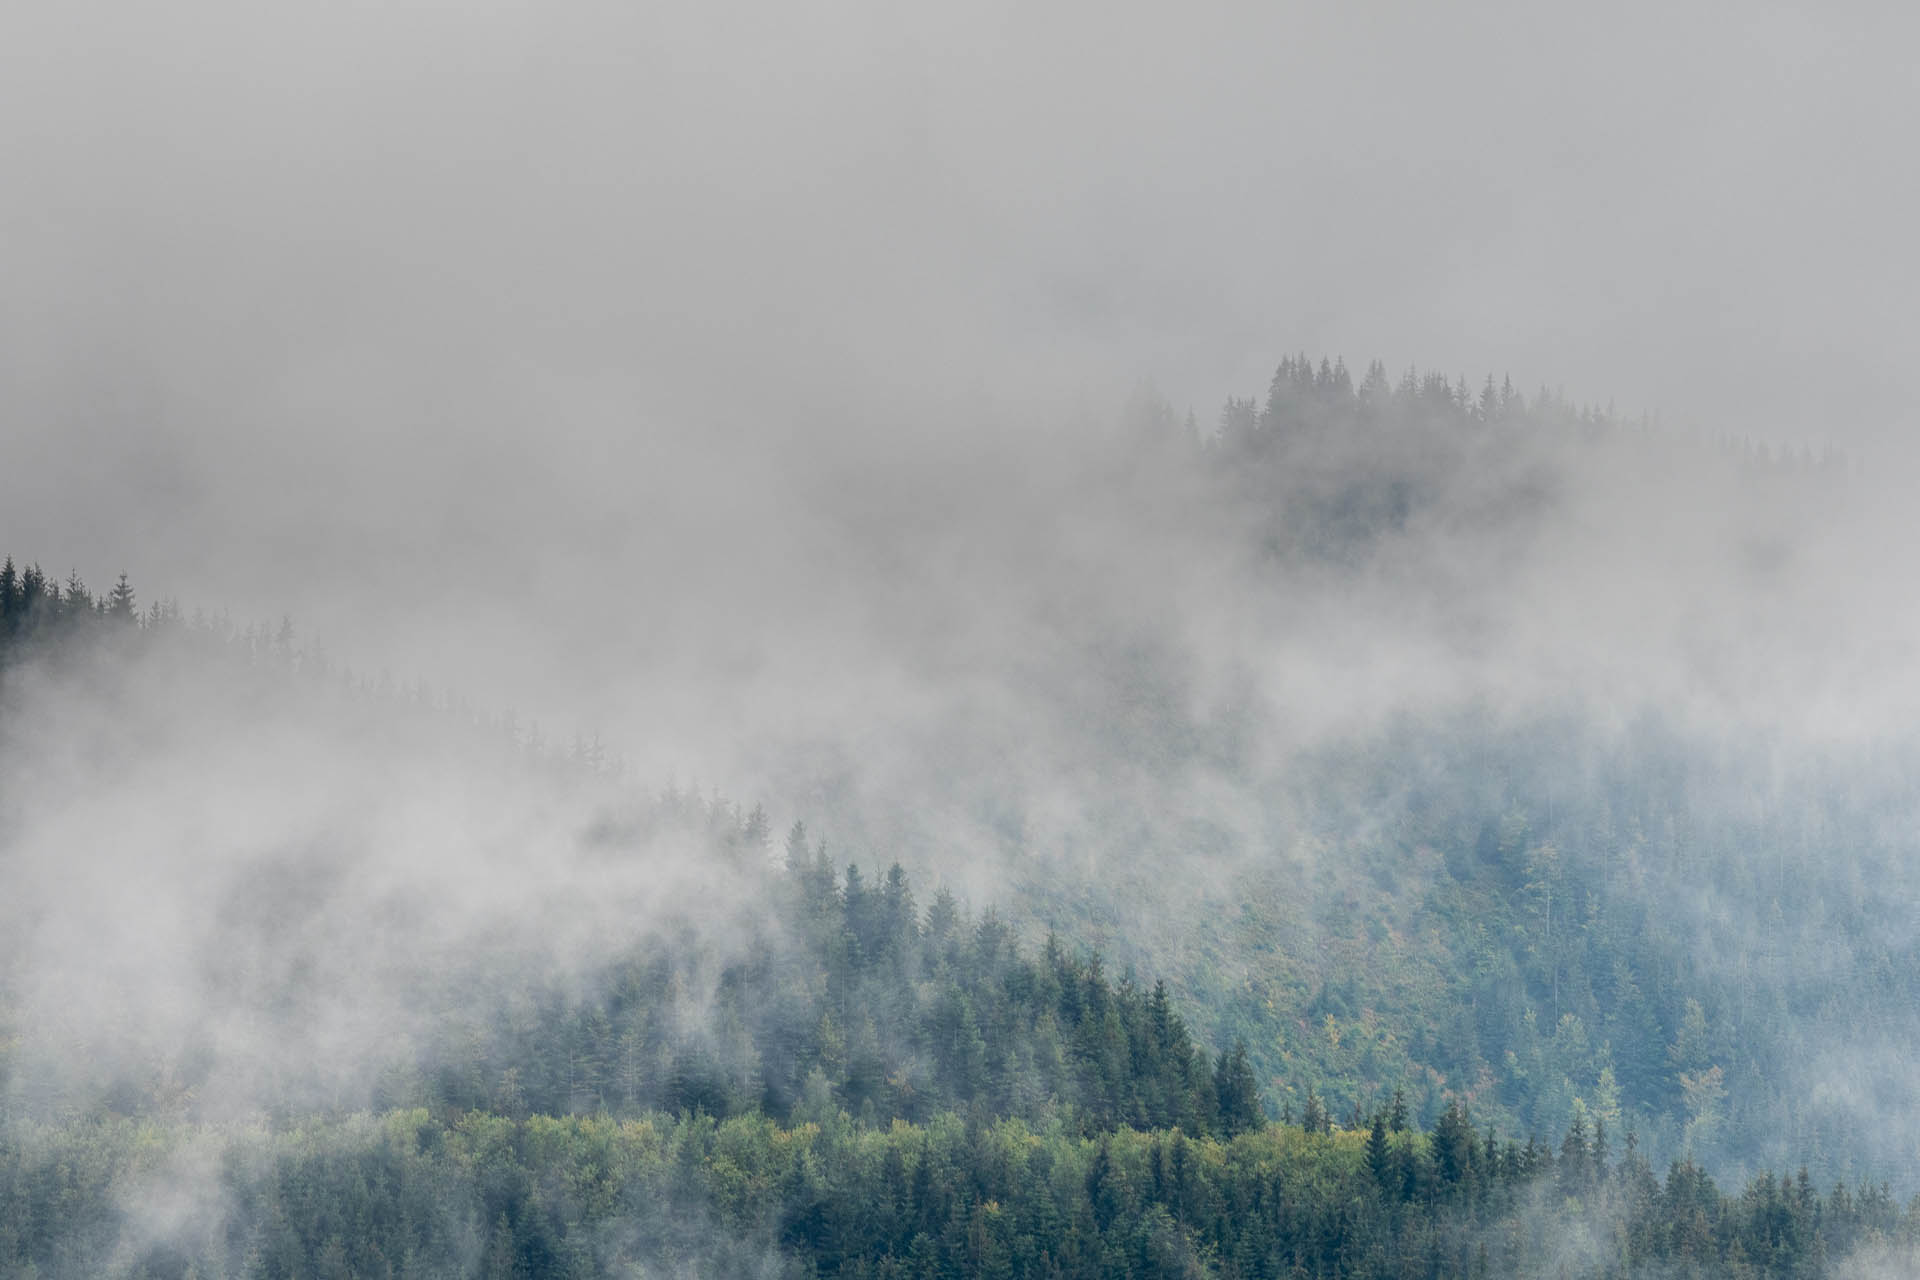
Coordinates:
1314 1118
900 916
1452 1143
10 605
757 831
1379 1154
1574 1152
74 599
120 603
1237 1091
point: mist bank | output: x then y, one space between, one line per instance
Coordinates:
241 889
1463 742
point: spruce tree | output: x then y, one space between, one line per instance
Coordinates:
1237 1091
1379 1154
120 604
9 597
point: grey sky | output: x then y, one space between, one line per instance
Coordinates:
299 302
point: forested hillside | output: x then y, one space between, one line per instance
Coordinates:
1462 987
835 1081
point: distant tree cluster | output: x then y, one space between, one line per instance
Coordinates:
409 1193
1307 399
63 622
35 607
1531 969
851 997
1327 467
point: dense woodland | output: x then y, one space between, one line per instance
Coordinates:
1467 1043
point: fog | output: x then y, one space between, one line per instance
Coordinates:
408 299
796 400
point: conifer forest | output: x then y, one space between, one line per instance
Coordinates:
712 640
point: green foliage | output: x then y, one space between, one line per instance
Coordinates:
858 1005
580 1196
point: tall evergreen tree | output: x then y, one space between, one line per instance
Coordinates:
120 603
1237 1092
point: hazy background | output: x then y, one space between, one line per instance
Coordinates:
430 323
749 384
